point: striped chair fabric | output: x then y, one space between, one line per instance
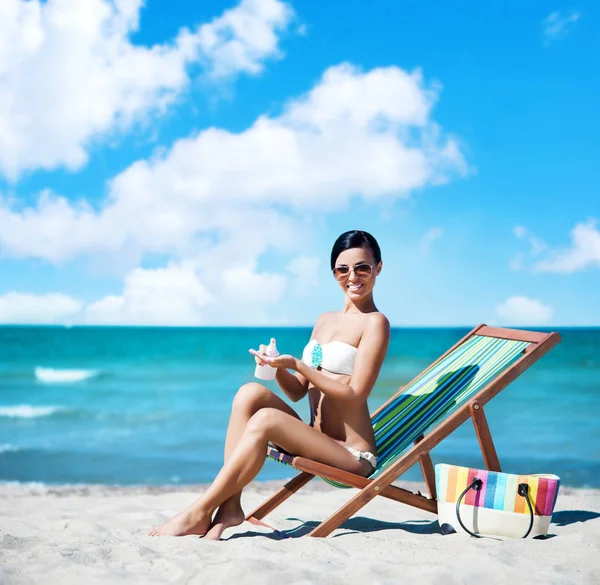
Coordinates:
434 395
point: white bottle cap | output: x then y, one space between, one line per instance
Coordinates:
272 349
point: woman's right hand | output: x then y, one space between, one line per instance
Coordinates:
263 351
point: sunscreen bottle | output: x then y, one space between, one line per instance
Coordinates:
265 371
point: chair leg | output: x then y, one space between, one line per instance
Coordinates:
280 496
428 471
484 436
410 499
350 508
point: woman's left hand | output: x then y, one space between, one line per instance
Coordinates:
281 361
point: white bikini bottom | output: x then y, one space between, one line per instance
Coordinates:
358 455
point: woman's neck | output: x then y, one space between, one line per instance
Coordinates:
364 305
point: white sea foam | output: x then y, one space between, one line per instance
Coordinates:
7 447
28 411
53 375
28 487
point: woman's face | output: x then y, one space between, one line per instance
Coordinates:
356 271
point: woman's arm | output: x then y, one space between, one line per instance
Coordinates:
369 358
291 385
295 386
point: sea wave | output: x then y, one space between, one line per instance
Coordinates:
28 411
7 448
53 375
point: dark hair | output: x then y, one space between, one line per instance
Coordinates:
355 239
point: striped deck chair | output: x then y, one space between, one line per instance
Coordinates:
423 413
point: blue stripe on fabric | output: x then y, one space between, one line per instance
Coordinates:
490 489
389 445
436 374
500 491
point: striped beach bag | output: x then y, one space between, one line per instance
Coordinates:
490 503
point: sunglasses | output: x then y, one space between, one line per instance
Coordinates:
362 270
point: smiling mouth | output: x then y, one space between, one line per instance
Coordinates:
355 287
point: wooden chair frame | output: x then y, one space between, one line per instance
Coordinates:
540 344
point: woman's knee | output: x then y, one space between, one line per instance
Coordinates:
251 395
263 421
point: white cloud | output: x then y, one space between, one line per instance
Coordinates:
304 271
47 309
70 74
179 295
583 253
217 201
557 25
429 238
305 267
243 283
520 310
172 296
243 37
355 133
219 284
165 296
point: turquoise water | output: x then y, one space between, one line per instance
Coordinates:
150 405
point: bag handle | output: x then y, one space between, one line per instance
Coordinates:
477 484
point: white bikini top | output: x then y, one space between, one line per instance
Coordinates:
336 357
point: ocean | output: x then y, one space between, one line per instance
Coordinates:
139 406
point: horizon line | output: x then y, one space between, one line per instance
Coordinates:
275 326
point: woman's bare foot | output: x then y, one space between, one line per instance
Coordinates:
184 523
229 514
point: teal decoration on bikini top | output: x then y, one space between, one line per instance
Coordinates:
316 355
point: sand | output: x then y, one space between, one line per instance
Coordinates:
95 534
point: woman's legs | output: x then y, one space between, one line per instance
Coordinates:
247 458
249 399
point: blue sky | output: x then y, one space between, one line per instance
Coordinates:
191 164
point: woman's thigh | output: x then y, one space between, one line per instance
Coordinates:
256 396
298 438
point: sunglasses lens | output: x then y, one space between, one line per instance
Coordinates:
362 270
341 272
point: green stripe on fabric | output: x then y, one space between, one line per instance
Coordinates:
468 361
437 393
487 359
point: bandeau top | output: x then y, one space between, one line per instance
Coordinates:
336 357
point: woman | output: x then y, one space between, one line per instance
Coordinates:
338 369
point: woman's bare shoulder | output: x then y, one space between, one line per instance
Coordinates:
322 321
325 317
377 321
